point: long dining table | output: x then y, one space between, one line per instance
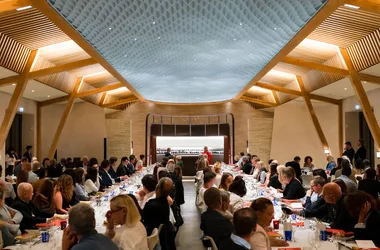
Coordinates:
300 240
129 186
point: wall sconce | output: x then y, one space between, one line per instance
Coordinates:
327 151
378 155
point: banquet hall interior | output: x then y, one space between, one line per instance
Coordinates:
189 124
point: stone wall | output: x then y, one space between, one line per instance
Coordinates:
136 115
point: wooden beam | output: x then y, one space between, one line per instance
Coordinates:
313 115
368 78
55 100
10 112
340 128
100 90
279 89
58 20
324 99
63 67
314 66
120 102
9 80
258 101
51 70
10 6
66 113
314 22
296 92
275 97
367 5
363 98
102 99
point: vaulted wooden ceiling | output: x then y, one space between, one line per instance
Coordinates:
313 54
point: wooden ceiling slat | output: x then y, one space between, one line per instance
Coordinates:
31 28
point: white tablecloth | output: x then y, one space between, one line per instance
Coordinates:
55 242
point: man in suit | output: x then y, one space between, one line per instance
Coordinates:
295 164
28 153
314 198
131 164
105 178
361 153
32 215
370 185
349 151
122 169
168 152
334 209
112 172
213 223
156 211
245 221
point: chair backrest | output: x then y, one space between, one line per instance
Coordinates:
214 247
153 239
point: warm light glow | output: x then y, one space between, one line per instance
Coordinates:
352 6
378 154
259 91
327 151
94 74
24 8
118 91
310 43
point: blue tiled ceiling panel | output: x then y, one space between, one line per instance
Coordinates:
184 51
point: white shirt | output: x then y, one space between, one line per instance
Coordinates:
260 240
90 186
10 161
201 202
147 198
32 177
131 237
236 202
218 178
139 164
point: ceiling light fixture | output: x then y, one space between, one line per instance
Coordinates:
240 24
352 6
13 84
110 28
135 39
21 109
345 88
249 41
154 22
275 28
234 39
24 8
32 90
48 95
365 82
158 38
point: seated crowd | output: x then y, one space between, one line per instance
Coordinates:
44 190
335 197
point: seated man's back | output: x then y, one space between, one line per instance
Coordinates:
215 225
94 240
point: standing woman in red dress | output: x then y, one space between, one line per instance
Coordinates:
208 153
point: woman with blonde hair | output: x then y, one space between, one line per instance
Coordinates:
132 233
218 172
63 194
330 163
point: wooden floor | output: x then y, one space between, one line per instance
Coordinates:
189 233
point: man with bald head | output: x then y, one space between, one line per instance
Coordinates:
32 215
334 210
156 211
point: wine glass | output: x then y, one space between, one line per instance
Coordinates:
311 238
